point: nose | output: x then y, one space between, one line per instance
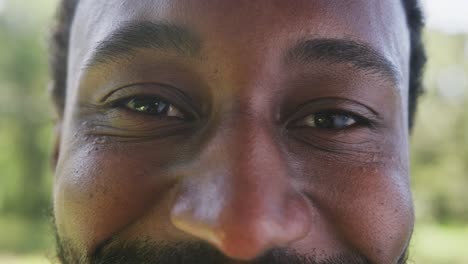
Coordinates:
238 196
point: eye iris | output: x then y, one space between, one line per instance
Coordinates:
342 121
150 106
323 120
333 121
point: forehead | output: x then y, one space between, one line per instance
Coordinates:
240 27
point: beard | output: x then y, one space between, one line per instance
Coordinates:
191 253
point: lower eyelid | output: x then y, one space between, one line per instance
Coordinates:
344 139
128 123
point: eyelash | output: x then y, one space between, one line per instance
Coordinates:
173 111
164 108
314 120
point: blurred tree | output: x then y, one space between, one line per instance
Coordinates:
440 138
23 114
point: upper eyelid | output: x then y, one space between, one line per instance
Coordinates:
190 115
358 119
335 105
150 86
363 116
358 115
127 99
122 101
333 100
164 92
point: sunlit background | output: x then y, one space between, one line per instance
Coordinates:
439 140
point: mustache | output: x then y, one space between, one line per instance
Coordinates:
203 253
115 251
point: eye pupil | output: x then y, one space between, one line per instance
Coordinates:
323 120
150 106
162 107
329 121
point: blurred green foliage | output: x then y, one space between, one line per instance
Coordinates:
25 127
439 141
440 138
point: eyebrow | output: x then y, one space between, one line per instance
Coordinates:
145 35
168 37
339 51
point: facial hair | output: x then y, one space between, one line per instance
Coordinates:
137 252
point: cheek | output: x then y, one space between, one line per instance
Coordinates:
380 214
365 196
370 209
100 190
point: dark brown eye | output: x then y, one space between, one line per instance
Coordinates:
328 121
153 106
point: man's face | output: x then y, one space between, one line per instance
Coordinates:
235 132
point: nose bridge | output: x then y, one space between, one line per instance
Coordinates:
259 176
240 199
254 216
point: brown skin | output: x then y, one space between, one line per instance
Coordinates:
240 174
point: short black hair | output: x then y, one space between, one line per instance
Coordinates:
60 41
